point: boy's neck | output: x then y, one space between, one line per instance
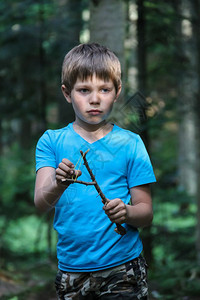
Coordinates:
94 132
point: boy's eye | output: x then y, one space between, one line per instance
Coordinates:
83 91
105 90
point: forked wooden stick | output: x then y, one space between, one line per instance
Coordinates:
71 180
119 229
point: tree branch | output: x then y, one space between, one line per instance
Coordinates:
70 180
119 229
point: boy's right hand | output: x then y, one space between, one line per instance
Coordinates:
66 170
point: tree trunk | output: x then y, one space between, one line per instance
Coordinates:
196 29
142 88
69 19
188 91
189 107
1 138
142 69
107 25
131 42
42 67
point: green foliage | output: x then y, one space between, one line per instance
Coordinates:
28 235
174 272
176 279
17 181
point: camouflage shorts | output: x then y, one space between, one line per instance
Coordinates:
127 281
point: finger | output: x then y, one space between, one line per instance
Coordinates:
119 208
61 172
114 206
64 173
116 214
118 218
77 173
67 162
109 205
60 178
65 167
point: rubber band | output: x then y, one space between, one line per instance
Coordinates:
78 168
75 168
80 162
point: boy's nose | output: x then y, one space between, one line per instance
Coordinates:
95 98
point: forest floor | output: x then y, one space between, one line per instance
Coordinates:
37 283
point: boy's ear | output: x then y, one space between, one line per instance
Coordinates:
66 93
118 92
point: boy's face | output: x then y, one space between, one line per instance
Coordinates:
92 100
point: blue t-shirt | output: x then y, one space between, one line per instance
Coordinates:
86 238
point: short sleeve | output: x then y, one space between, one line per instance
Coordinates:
45 154
140 170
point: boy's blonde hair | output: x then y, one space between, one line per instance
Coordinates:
86 60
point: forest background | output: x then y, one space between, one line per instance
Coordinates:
158 43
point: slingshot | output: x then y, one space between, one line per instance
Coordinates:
119 228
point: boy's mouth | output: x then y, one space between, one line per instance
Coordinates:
94 112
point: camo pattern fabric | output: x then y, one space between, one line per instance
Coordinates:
127 281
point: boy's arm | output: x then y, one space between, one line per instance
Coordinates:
139 214
48 185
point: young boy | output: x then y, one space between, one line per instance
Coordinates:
94 261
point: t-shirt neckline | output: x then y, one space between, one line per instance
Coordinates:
104 137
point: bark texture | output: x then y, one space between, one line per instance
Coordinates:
107 25
188 93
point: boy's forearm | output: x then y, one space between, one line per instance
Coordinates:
140 215
49 186
47 196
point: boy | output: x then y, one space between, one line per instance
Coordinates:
94 261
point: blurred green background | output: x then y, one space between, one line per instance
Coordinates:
158 44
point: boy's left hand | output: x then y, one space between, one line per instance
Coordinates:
116 210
